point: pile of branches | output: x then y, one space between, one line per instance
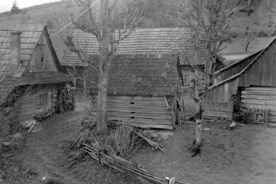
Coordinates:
106 156
123 140
116 147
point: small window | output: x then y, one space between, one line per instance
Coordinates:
42 100
186 78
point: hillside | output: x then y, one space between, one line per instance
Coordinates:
259 18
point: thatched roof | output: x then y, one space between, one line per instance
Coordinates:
142 41
142 76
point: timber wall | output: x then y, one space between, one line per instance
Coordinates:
260 98
28 101
263 72
219 101
145 112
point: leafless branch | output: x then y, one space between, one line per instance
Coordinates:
72 47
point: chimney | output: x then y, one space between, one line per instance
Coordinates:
15 50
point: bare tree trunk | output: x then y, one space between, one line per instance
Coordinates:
102 99
104 63
104 67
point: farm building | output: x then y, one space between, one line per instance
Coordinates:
146 76
30 73
147 44
249 82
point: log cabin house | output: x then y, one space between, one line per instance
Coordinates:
249 83
150 48
28 61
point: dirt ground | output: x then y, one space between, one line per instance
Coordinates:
46 154
246 154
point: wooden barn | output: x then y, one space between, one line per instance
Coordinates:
143 91
249 82
150 69
30 73
146 42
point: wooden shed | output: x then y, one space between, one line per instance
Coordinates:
143 91
146 42
250 82
28 60
144 77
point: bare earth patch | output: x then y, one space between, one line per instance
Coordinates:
246 154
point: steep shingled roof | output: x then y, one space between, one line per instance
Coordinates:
142 76
30 37
142 41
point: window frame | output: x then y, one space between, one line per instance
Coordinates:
186 80
41 100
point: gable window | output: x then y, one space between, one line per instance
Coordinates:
186 78
42 100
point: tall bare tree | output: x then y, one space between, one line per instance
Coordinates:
109 21
208 23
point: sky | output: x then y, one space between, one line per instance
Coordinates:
5 5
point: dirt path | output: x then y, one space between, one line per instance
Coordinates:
45 150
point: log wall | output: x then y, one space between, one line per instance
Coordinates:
145 112
28 101
260 98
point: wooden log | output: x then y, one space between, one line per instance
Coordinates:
140 120
139 111
138 108
124 166
147 125
139 115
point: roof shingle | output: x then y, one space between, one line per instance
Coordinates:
142 76
142 41
29 38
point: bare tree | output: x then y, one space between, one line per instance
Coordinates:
208 23
109 21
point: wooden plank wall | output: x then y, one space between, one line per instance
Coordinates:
219 102
262 73
260 98
145 112
42 59
28 101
